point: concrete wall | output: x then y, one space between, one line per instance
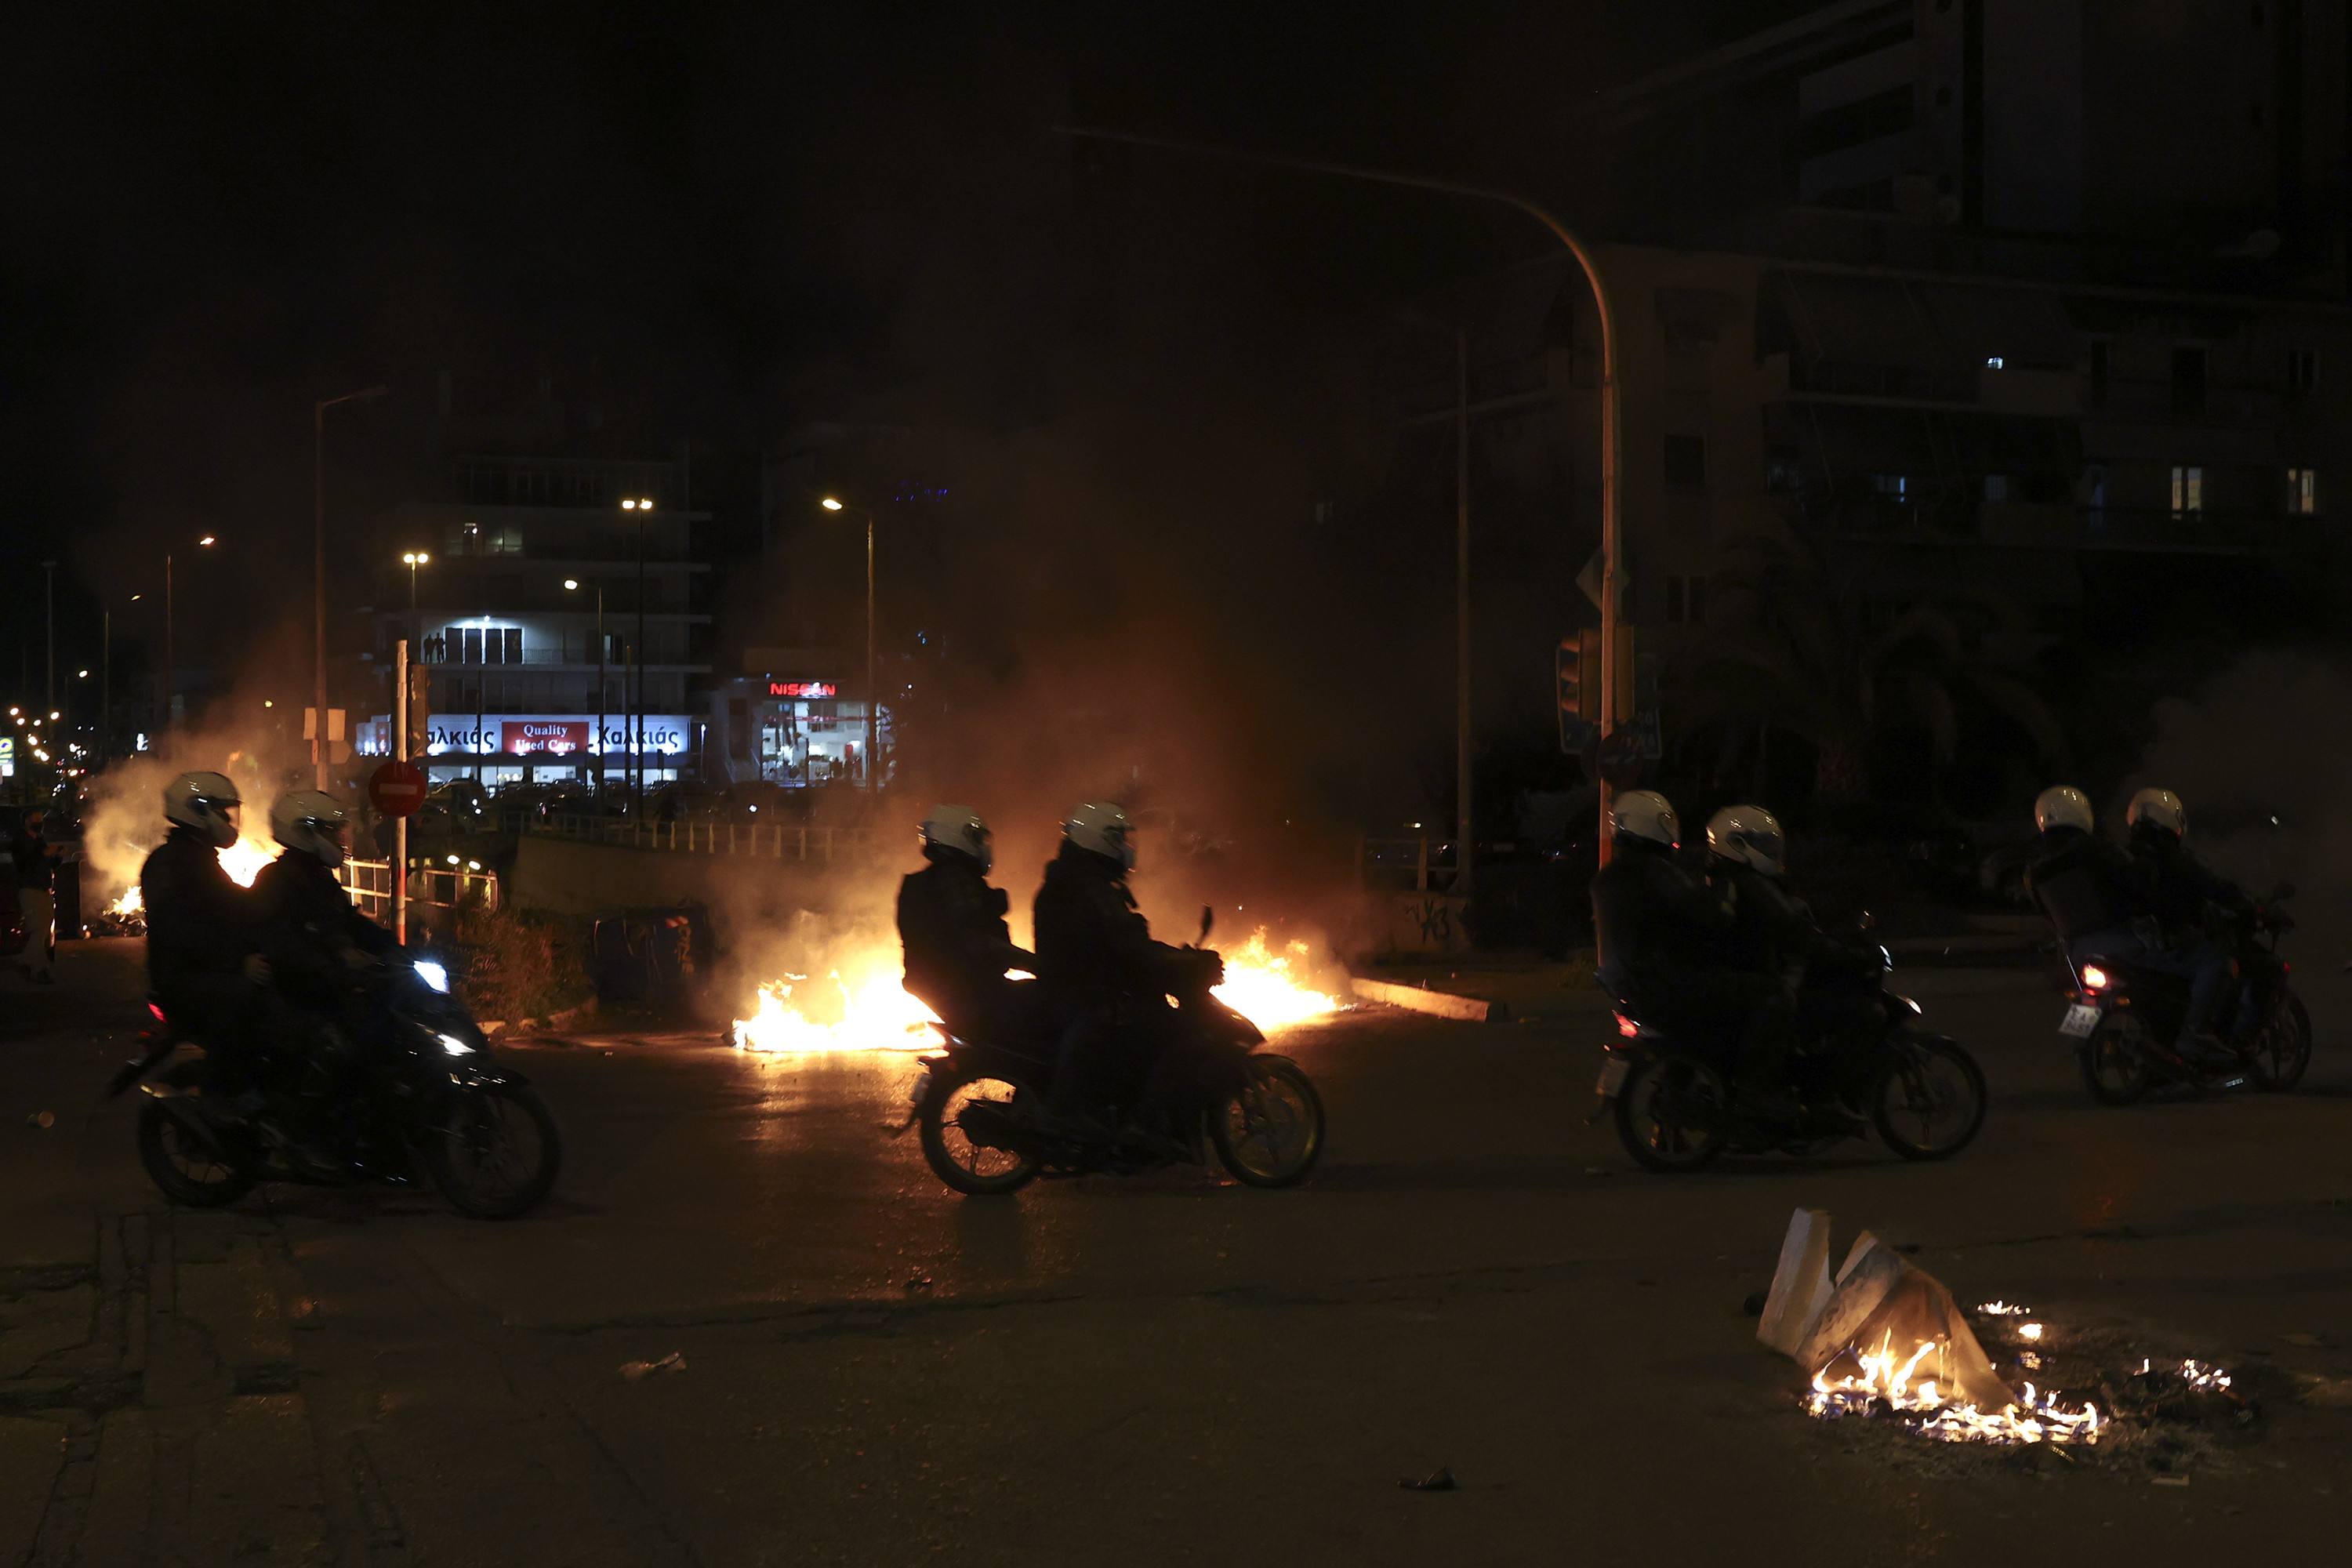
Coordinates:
566 877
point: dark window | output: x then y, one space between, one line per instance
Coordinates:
2301 369
1674 598
1784 470
1887 113
1687 459
473 636
2098 372
2188 381
1697 598
513 640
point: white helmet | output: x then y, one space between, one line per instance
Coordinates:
206 801
311 821
2062 806
1748 835
1647 814
1100 825
2158 808
961 829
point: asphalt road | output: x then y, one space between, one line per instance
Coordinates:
1158 1370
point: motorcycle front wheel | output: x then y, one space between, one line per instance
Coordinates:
1271 1133
2281 1051
977 1167
181 1168
1674 1114
496 1153
1931 1102
2114 1069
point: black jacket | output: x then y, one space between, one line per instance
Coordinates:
1649 917
2177 885
200 925
1774 933
951 927
2083 883
1092 944
305 922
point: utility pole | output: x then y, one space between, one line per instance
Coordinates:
105 684
1612 575
400 823
50 603
318 573
873 698
1462 852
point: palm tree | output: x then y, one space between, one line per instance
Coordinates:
1781 647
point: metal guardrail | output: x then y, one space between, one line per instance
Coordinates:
1405 865
429 888
780 841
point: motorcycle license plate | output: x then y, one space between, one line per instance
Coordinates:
2080 1020
1612 1077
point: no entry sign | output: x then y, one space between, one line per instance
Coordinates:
396 788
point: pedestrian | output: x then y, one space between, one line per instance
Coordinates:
36 898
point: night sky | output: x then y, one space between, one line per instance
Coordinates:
713 222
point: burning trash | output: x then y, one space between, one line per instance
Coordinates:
1883 1339
859 1004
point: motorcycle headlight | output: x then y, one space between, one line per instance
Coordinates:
455 1046
432 974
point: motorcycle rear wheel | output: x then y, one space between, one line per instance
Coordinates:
976 1170
1271 1133
2281 1051
499 1154
1674 1114
1937 1089
2113 1071
182 1169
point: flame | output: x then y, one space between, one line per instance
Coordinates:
1264 986
243 859
2034 1418
876 1015
133 901
860 1005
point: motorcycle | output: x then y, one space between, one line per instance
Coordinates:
2123 1018
986 1131
1674 1110
429 1092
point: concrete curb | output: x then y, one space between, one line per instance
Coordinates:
1439 1004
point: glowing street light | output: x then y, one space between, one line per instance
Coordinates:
873 717
830 504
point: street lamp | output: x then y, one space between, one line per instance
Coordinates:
318 566
637 759
1612 572
873 775
205 543
572 584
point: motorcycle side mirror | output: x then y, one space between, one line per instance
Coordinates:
1865 922
2283 890
1208 919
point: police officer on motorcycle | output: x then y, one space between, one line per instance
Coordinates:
951 926
2098 901
203 958
1098 963
315 939
2189 899
1661 933
1775 935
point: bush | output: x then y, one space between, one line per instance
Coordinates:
521 964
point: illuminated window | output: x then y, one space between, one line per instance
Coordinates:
2188 491
2303 493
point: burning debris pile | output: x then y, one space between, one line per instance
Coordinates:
1882 1338
857 1005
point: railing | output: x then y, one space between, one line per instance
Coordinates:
780 841
429 888
1405 865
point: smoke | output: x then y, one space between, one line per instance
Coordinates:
2256 753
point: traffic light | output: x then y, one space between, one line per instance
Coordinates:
1577 674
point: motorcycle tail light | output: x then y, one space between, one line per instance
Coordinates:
1627 1027
2094 977
157 1011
